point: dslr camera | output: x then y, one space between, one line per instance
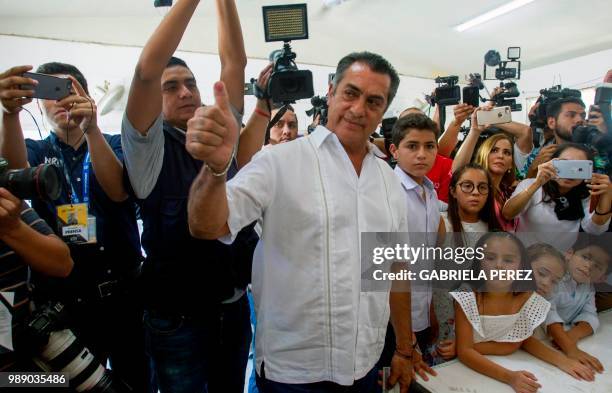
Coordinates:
591 136
55 348
41 182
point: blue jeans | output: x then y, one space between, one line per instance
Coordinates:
207 353
367 384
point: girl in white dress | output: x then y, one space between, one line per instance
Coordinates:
497 317
470 215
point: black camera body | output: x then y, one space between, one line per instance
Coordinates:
41 182
447 92
287 84
538 119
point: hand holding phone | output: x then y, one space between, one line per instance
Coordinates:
497 115
13 96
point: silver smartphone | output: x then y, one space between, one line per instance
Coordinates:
497 115
574 169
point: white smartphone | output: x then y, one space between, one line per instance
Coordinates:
497 115
574 169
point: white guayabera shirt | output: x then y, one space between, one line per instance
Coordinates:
313 321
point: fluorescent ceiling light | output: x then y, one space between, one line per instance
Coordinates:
499 11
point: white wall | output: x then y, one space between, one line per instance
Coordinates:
116 64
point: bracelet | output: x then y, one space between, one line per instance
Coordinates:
403 355
224 172
262 113
602 214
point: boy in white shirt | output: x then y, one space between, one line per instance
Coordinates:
414 146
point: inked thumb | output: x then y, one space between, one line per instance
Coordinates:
221 97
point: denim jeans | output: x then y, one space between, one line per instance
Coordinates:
367 384
207 353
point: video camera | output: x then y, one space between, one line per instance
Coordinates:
538 119
504 71
41 182
319 108
56 348
507 97
287 84
447 92
591 136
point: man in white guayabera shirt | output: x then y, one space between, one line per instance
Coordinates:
316 329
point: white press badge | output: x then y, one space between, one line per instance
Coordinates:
75 223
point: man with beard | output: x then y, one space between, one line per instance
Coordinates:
563 115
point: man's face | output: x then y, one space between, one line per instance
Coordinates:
357 104
180 95
571 115
285 130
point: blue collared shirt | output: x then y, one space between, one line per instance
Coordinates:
572 303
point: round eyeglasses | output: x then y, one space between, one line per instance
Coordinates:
467 187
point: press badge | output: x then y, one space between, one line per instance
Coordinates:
75 224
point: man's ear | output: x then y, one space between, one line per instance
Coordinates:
330 91
393 150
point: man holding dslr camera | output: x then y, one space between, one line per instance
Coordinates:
100 292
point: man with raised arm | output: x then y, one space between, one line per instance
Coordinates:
316 329
196 314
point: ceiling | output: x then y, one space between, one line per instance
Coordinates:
416 36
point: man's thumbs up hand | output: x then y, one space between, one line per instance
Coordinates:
213 131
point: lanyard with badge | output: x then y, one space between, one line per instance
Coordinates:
75 223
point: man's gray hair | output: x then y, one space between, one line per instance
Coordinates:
376 62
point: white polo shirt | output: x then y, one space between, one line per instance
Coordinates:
313 322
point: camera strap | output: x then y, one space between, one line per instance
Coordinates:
7 304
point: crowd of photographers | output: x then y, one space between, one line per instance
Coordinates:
83 295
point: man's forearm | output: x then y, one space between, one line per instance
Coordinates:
108 168
252 137
164 41
207 209
46 254
448 140
522 133
401 315
12 143
231 51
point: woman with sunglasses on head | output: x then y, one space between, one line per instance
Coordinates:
554 209
496 156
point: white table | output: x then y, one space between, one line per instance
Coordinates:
454 377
